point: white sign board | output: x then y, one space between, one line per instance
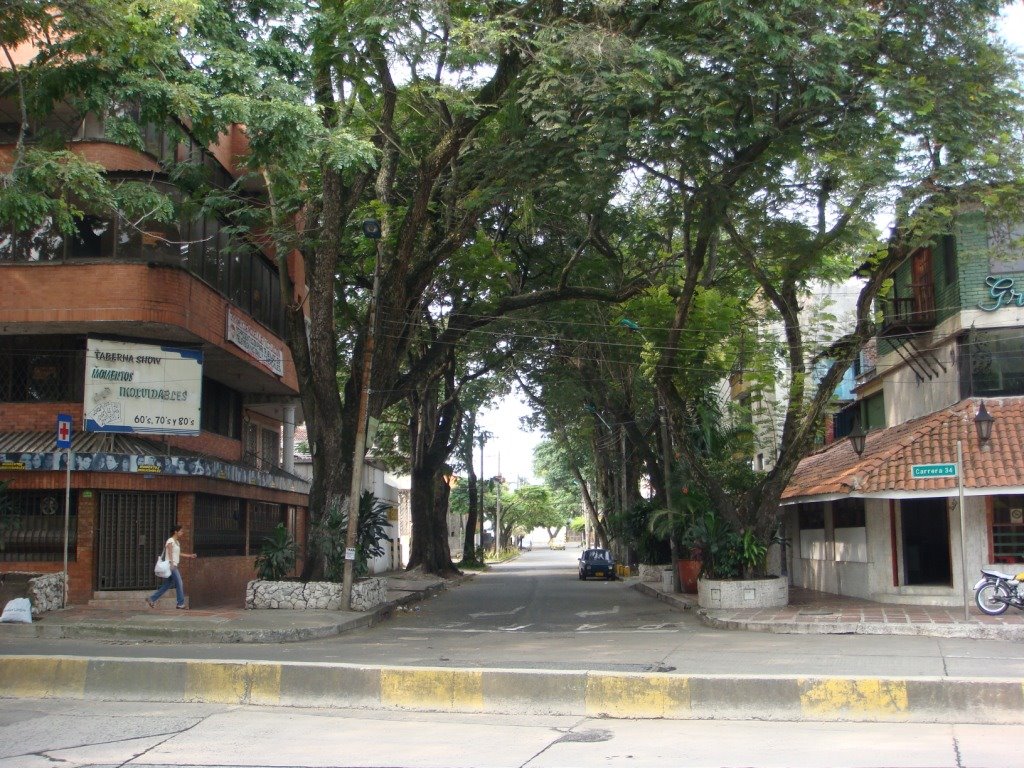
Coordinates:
142 388
247 336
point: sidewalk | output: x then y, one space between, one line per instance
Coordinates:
811 612
226 624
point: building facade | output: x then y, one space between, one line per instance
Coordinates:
162 347
888 524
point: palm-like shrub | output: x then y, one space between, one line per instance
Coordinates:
371 533
277 555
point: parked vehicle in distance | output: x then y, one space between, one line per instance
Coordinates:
556 544
599 563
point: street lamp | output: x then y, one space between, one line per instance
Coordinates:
858 437
983 424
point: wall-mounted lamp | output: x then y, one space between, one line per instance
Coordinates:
857 435
983 424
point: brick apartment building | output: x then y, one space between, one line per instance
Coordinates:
164 346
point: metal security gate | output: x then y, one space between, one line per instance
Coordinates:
132 529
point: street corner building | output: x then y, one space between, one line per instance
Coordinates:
162 349
934 411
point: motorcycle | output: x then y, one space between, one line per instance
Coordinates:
997 591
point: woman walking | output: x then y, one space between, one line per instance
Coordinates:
172 551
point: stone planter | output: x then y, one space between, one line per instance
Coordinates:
772 592
367 594
650 573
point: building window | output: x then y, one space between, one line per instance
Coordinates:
41 369
873 413
849 532
812 530
221 409
1005 247
33 529
1008 529
848 513
270 449
263 519
262 447
991 363
219 526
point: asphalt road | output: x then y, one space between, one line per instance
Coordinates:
535 613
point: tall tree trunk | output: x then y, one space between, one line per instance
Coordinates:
434 430
468 440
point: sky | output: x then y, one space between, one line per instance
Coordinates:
510 451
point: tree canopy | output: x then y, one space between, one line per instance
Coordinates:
541 172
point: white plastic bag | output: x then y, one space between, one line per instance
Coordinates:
163 567
17 611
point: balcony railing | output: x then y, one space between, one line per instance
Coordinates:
910 314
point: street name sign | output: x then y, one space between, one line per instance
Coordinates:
918 471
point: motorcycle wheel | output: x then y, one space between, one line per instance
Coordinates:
990 598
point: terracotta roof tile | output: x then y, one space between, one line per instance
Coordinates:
889 454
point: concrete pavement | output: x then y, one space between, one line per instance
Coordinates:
811 612
860 696
224 624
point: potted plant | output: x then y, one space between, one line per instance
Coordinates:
734 572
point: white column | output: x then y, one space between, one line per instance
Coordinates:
288 462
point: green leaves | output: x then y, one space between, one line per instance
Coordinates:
277 555
54 186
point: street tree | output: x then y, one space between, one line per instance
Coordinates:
767 139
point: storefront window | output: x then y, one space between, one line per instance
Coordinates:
812 531
1008 529
849 530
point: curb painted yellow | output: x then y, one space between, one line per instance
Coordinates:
443 688
232 683
497 691
44 677
637 696
833 696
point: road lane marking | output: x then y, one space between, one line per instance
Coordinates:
612 612
513 612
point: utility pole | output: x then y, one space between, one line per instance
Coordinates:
498 480
371 229
666 447
482 438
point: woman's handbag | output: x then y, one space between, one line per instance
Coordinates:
163 566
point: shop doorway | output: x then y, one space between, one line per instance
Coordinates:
926 555
132 530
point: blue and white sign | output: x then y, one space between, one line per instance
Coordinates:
142 388
63 431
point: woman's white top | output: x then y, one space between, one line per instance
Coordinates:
175 550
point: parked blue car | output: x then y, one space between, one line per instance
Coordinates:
599 563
